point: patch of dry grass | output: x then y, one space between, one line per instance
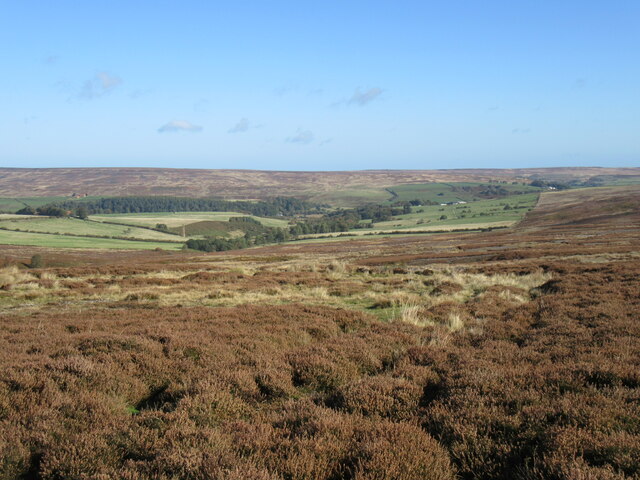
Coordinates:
10 276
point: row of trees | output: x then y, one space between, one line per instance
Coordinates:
80 211
546 184
345 220
218 244
278 206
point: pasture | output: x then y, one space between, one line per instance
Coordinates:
74 226
50 240
12 205
458 191
478 214
178 219
353 197
120 231
76 233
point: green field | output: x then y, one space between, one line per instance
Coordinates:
459 191
353 197
61 241
432 192
484 212
74 226
179 219
12 205
617 180
116 230
121 230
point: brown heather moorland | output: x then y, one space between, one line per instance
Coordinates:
255 184
510 354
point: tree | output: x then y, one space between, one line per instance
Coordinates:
51 211
82 213
26 211
36 261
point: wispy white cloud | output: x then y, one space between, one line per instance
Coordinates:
303 137
101 84
242 126
176 126
361 98
520 131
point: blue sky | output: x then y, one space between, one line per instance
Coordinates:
320 86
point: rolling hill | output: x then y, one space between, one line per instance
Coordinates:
254 184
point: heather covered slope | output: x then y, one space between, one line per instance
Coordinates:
592 206
254 184
500 355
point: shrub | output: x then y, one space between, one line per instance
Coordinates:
400 451
36 261
394 398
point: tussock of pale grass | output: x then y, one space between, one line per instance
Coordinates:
396 298
440 337
415 285
513 297
410 313
479 282
29 286
164 274
50 279
230 298
111 296
313 267
477 330
455 322
318 292
474 284
12 275
243 270
337 266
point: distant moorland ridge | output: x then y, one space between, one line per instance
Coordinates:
255 184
